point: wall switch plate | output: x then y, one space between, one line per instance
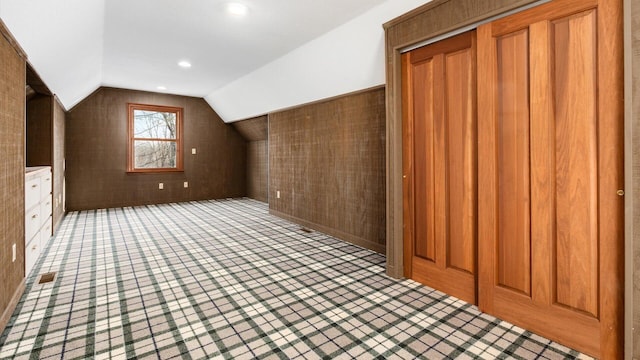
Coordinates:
160 186
193 151
13 249
186 184
278 194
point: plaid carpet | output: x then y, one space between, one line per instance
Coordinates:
224 279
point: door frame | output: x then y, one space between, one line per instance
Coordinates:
441 17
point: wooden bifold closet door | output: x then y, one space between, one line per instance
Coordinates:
439 163
550 171
549 167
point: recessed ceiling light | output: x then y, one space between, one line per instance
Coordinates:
161 87
237 9
185 64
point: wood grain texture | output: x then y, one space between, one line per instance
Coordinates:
611 159
12 160
424 240
96 154
440 165
327 161
488 173
576 151
435 18
514 232
576 168
460 115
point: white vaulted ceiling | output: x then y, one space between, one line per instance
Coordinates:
78 45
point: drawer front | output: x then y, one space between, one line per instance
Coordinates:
32 252
32 223
31 192
45 232
45 207
45 184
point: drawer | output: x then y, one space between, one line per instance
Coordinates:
45 207
45 232
31 192
32 223
32 252
45 184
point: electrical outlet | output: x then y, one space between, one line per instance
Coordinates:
13 249
186 184
193 151
278 194
160 186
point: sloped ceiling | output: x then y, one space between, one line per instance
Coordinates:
63 40
79 45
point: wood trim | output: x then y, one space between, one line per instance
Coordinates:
408 210
131 139
331 231
632 171
8 312
4 31
448 4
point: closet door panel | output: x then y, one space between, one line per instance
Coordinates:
514 232
460 159
423 154
550 151
574 89
439 164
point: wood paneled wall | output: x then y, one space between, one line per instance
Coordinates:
327 161
255 131
426 22
96 154
57 165
12 161
39 130
258 170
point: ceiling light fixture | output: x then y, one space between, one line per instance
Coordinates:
184 64
237 9
161 87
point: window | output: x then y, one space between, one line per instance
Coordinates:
155 138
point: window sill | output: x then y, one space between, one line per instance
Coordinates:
154 171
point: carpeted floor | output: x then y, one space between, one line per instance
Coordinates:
224 279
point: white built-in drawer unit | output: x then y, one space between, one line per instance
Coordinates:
37 204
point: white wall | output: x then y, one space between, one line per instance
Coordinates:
346 59
75 44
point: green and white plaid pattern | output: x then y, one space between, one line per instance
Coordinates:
224 279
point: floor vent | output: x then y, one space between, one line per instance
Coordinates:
48 277
306 230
